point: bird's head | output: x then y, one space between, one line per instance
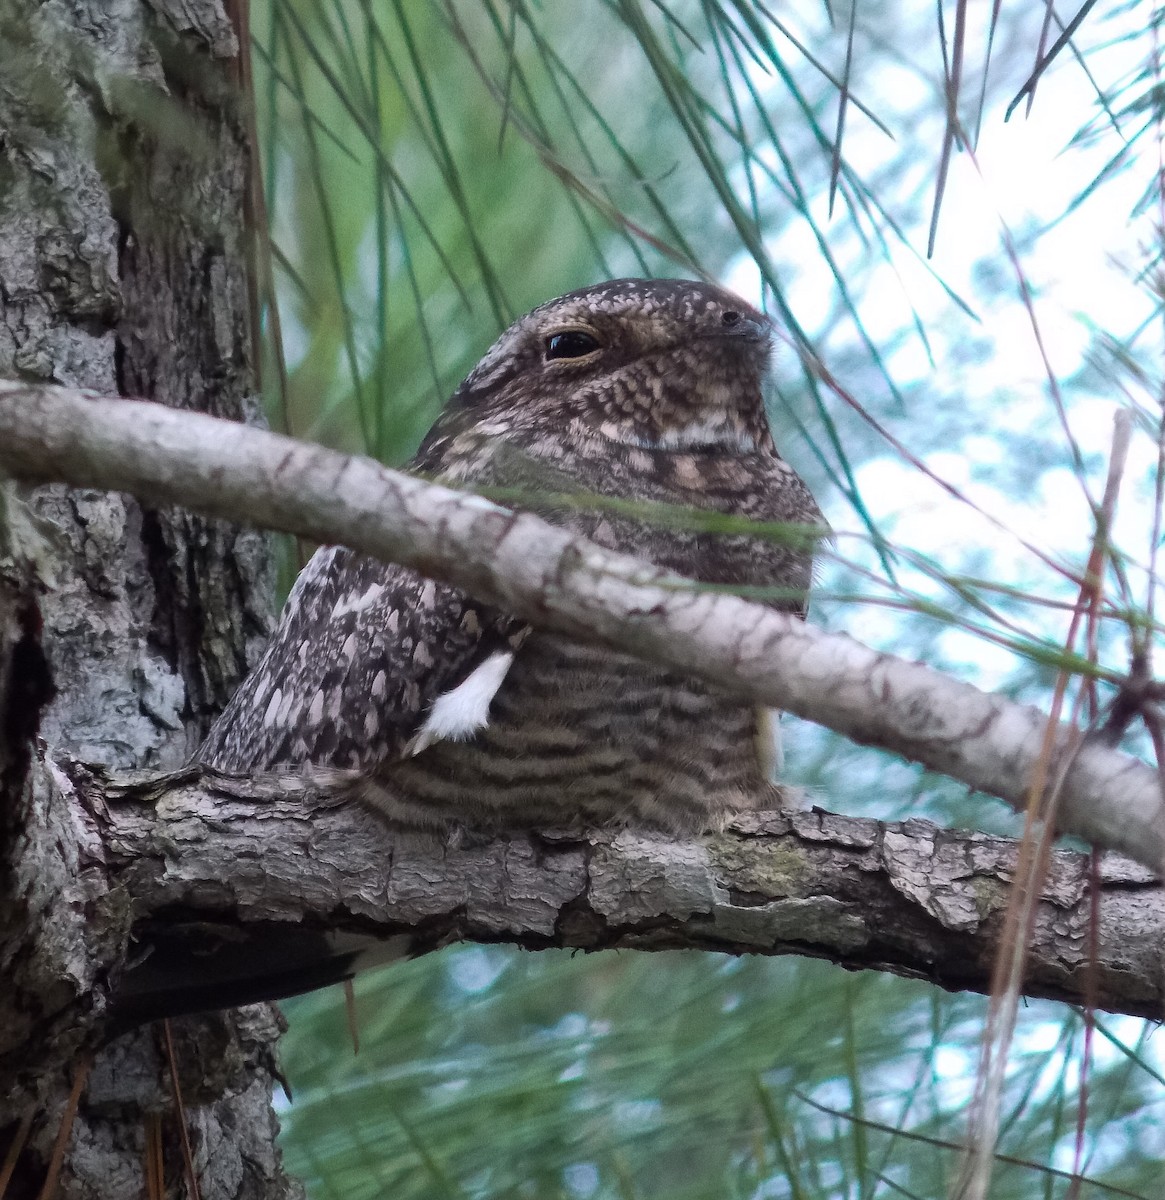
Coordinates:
656 364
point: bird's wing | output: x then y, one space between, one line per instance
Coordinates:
370 662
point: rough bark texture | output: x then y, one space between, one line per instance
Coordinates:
121 265
558 580
244 889
121 173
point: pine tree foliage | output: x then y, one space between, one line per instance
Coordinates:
430 171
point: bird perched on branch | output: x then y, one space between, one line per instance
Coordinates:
446 709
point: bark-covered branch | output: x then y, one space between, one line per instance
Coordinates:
244 889
561 581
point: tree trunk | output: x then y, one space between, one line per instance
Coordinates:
123 629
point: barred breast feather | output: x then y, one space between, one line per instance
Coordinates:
632 413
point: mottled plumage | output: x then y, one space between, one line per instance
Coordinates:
446 709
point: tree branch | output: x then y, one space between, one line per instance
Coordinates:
248 889
560 581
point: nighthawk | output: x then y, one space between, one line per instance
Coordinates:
445 709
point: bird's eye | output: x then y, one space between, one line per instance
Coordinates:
571 344
729 317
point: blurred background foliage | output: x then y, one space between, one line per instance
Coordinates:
432 170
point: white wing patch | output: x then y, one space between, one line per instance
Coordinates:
458 714
769 750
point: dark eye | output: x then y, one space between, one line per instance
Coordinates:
571 344
729 317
